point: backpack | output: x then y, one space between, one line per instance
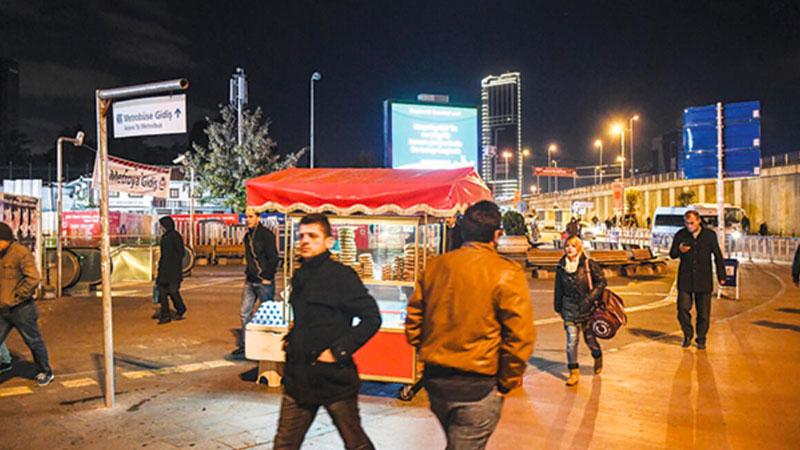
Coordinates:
609 315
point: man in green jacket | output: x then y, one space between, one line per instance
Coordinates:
18 282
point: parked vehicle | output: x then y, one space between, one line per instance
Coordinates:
667 220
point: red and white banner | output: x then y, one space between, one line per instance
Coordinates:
563 172
134 178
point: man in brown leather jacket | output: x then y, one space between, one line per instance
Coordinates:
471 319
18 282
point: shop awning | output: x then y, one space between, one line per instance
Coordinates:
441 193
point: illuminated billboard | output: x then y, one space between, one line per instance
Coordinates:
430 136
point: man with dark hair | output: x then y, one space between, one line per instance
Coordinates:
18 282
694 245
170 271
261 255
472 362
326 297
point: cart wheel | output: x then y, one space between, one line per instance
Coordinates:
407 393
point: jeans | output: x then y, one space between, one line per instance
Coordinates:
468 425
5 355
23 317
295 420
252 294
702 301
573 329
166 291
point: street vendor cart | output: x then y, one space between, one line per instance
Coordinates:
387 223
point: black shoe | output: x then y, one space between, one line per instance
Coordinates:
180 315
238 353
5 367
701 345
687 342
164 320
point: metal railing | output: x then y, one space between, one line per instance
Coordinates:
771 248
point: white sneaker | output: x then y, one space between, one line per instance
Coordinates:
44 378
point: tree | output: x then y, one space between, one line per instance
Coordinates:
223 166
686 198
514 224
631 200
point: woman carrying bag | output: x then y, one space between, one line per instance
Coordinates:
579 285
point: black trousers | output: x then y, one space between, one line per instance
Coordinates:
24 318
702 302
296 419
171 290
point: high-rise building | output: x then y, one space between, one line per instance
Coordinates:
501 131
9 95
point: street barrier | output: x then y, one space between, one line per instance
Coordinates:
772 248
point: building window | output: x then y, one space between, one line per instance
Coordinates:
174 193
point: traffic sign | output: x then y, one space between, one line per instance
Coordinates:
150 116
741 141
562 172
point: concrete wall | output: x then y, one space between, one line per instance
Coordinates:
774 197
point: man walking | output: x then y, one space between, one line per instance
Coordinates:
471 319
18 282
261 254
170 271
694 245
326 297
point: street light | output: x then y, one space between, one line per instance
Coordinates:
599 144
182 160
550 150
506 155
77 141
619 129
630 122
316 76
621 161
525 153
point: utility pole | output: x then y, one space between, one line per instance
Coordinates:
316 76
77 141
237 97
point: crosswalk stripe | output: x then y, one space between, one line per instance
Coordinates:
16 390
80 382
183 368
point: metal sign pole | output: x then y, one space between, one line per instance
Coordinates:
720 182
59 220
105 250
103 101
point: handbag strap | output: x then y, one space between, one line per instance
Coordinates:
588 273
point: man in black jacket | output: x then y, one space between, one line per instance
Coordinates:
695 244
261 254
796 267
326 297
170 271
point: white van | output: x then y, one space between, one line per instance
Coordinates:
669 219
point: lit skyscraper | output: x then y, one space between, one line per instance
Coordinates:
501 131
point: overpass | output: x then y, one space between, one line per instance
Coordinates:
773 197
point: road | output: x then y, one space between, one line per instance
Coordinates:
176 388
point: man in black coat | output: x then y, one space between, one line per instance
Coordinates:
695 245
170 271
261 255
326 297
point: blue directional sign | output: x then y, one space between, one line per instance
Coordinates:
741 140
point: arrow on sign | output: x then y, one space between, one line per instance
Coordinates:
178 113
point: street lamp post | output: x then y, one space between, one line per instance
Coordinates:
182 160
506 155
77 141
599 144
525 153
632 165
316 76
555 179
550 150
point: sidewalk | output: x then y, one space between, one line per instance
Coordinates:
740 393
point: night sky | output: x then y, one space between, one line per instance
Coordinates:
583 63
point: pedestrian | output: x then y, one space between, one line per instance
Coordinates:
261 256
5 358
453 237
471 320
763 230
326 297
19 279
170 272
573 227
796 267
579 284
694 245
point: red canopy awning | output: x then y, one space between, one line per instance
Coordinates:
405 192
